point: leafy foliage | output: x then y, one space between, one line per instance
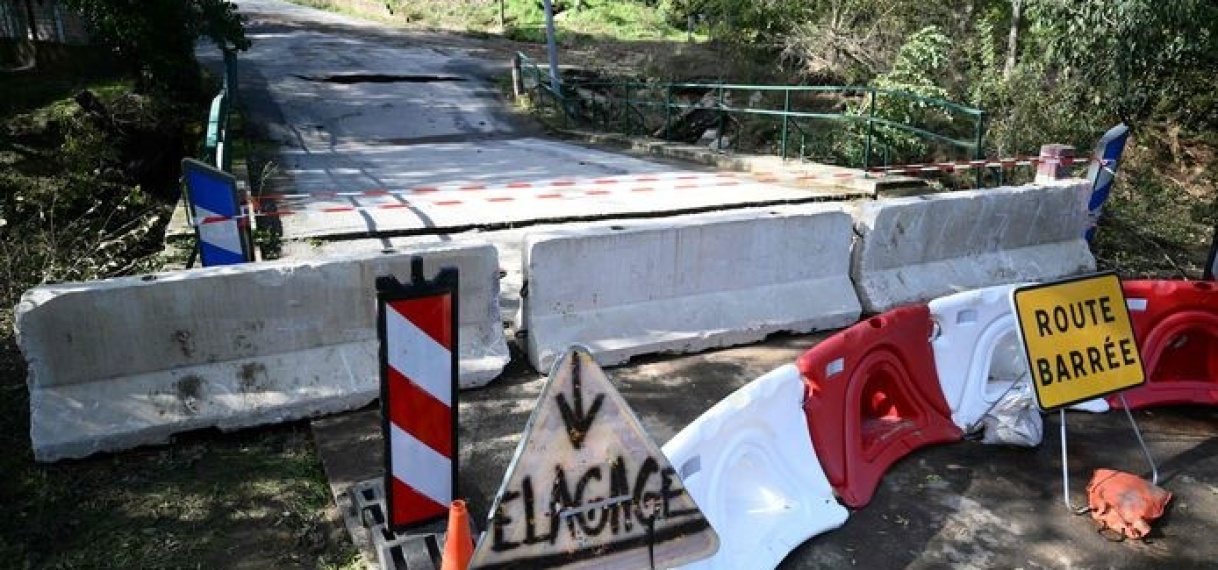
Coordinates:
1133 53
84 182
157 37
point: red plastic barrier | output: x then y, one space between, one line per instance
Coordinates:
1176 325
871 396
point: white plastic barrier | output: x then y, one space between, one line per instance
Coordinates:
978 353
125 362
687 284
749 464
977 350
915 249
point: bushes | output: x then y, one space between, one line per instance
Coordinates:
81 191
157 37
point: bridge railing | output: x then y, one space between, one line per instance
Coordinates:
215 142
857 126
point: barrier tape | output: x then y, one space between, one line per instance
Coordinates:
605 186
463 187
258 211
971 164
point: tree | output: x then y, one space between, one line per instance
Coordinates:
1133 53
157 37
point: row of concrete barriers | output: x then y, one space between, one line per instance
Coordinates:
125 362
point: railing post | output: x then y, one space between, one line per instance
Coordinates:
667 110
978 149
517 80
786 110
626 107
722 120
870 129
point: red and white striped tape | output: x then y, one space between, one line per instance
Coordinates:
306 209
971 164
286 204
679 178
419 399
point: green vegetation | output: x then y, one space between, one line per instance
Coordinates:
1045 71
87 183
89 154
579 22
156 38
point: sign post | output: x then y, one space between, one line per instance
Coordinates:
1079 345
417 328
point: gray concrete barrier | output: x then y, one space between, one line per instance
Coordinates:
915 249
125 362
687 284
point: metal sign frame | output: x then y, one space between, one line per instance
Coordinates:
1061 408
389 289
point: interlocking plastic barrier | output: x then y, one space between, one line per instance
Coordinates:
751 468
872 397
1176 326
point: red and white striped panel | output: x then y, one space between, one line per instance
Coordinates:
419 396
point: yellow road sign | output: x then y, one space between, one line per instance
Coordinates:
1078 339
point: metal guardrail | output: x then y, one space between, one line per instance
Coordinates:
632 107
215 143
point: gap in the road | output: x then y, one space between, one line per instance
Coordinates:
350 78
600 217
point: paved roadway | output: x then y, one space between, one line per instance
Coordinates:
437 147
385 134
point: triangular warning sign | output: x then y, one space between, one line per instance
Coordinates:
588 488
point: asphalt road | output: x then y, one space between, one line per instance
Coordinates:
358 107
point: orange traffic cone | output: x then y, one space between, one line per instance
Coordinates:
458 544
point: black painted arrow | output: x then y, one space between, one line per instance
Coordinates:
578 423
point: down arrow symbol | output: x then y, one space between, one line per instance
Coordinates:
578 423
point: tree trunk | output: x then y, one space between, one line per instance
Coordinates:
30 22
1013 38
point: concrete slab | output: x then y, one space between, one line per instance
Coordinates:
490 184
918 248
799 172
689 284
124 362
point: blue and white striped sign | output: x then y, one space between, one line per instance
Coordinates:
216 211
1102 174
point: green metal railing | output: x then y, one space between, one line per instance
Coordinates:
215 143
938 129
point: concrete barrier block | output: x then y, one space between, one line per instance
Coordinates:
918 248
687 284
125 362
